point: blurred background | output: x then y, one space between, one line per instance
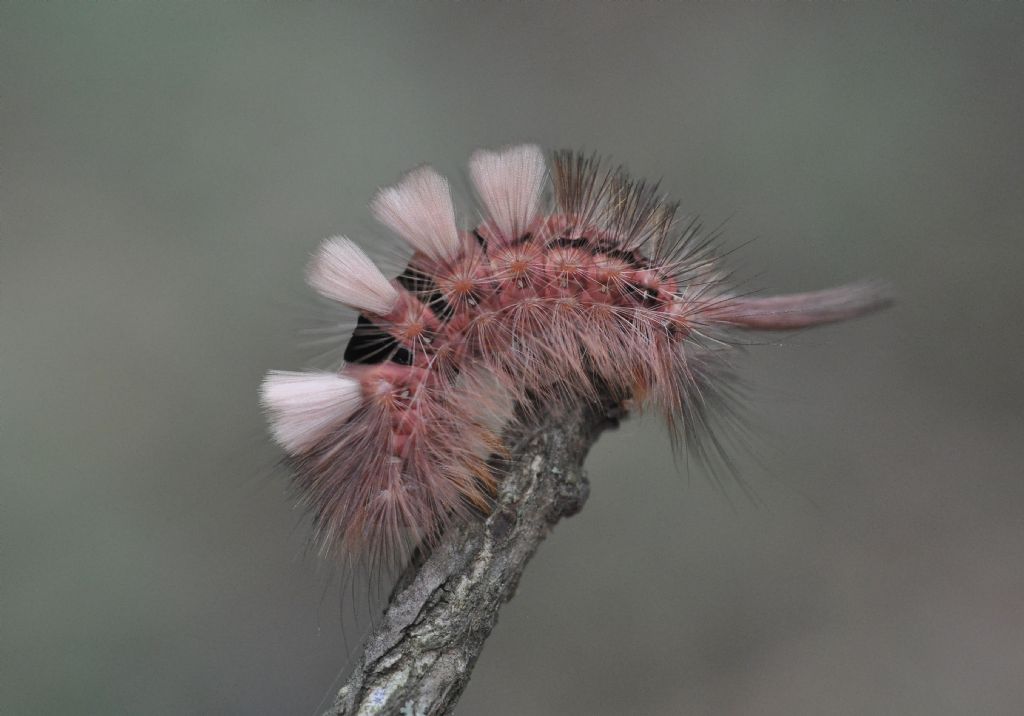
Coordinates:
167 170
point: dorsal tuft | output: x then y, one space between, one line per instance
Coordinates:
303 406
510 183
419 209
342 272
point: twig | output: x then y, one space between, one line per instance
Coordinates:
420 657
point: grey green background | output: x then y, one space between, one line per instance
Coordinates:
167 170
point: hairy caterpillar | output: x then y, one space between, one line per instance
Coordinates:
575 282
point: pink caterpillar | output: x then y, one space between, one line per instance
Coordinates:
589 288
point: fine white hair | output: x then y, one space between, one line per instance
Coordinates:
342 272
510 183
419 209
303 406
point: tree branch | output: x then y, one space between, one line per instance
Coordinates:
419 659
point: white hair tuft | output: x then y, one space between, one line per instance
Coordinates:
341 271
303 406
510 183
419 209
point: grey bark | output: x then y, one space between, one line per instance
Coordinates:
418 660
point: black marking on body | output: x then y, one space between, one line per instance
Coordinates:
564 242
424 288
370 344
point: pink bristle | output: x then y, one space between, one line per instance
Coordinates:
419 209
342 272
510 183
392 479
604 295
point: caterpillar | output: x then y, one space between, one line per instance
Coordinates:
576 282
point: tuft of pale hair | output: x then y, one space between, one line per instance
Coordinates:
342 272
419 209
510 183
303 406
